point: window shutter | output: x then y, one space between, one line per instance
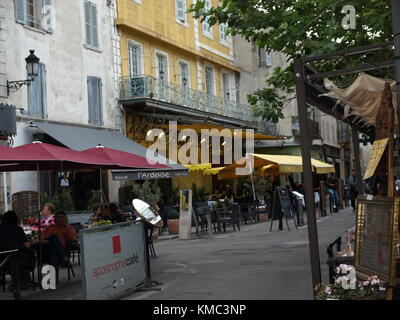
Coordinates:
87 23
43 76
48 19
95 38
95 101
37 93
261 57
268 59
222 31
20 7
180 10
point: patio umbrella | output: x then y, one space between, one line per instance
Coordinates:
40 156
124 159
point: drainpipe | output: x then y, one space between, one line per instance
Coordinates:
5 192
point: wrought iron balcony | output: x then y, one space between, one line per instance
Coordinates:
149 87
313 128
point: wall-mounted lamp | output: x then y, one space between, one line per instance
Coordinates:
32 67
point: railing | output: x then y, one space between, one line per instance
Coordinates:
149 87
313 127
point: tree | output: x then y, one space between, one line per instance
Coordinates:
302 28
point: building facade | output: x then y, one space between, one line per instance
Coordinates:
77 81
176 68
330 140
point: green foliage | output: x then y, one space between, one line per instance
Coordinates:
198 195
303 28
173 214
62 201
149 191
100 223
94 199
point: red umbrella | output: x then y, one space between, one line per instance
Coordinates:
43 156
124 159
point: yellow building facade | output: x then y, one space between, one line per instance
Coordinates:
154 26
174 67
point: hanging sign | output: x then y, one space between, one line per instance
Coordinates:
376 154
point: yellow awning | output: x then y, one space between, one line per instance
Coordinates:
196 167
213 171
284 163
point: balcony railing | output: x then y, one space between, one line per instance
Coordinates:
313 127
149 87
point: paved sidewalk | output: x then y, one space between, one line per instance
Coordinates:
184 265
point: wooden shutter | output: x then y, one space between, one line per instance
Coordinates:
95 38
48 16
37 94
261 57
87 23
95 101
20 8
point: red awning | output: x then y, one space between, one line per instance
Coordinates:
124 159
43 156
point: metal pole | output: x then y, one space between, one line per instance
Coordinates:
396 41
357 165
5 192
307 170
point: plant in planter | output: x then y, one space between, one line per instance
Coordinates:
371 289
173 222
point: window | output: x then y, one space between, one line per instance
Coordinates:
184 74
209 81
91 24
206 26
135 59
225 86
181 11
94 86
37 14
37 96
264 58
162 66
222 33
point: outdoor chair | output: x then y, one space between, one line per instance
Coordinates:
200 212
248 212
9 263
74 245
223 217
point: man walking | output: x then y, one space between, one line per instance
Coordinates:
332 185
351 182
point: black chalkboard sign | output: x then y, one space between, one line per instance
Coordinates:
282 207
376 237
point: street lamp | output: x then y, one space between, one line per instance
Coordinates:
32 67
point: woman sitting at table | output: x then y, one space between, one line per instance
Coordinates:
97 213
12 236
47 216
58 236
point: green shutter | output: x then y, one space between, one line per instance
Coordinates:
87 23
95 39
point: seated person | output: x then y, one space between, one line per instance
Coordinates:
58 235
97 212
12 236
46 215
116 215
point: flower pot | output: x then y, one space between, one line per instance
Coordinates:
263 217
173 226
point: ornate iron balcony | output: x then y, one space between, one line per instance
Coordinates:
149 87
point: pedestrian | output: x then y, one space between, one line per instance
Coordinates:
332 185
351 182
397 185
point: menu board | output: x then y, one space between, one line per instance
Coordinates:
376 237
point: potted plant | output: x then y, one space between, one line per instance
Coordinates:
173 222
346 287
